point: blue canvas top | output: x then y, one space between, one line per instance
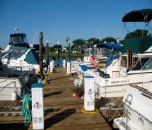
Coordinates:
84 67
88 77
110 45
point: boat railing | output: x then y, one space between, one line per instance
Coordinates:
3 87
12 85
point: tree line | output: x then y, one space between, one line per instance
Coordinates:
78 45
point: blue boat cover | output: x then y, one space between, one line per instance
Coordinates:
109 60
84 67
109 45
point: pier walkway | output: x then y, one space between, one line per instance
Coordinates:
62 110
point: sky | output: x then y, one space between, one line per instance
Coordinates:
58 19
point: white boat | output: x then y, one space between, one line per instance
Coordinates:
13 86
121 72
19 55
120 77
137 109
97 56
137 99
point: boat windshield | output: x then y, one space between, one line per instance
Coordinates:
17 39
148 65
141 64
89 51
15 52
103 52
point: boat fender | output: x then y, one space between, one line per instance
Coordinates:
101 73
106 76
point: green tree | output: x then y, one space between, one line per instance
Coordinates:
92 41
137 33
54 48
78 45
109 39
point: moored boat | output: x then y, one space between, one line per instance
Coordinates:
137 109
19 55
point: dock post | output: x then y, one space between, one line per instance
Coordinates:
68 68
89 93
41 55
47 55
64 63
37 106
51 66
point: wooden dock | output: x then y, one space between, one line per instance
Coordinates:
62 110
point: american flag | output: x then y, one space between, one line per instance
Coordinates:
92 60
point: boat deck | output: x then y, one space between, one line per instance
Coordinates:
62 110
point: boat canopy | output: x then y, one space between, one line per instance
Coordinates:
138 44
109 45
18 39
144 15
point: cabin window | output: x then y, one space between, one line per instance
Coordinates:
148 65
140 63
105 52
135 59
18 38
124 61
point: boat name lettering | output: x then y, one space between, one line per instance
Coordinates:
124 81
114 81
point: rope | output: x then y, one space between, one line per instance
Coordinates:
26 109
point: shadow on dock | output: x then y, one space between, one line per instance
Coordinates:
53 93
58 78
50 110
58 117
13 126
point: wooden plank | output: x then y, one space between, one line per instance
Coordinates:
62 110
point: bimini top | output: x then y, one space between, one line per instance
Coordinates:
144 15
109 45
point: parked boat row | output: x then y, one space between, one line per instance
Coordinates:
119 70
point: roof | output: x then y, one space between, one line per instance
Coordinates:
18 34
144 15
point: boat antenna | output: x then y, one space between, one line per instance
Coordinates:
99 34
34 37
130 7
16 30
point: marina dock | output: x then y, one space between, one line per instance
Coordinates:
62 110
